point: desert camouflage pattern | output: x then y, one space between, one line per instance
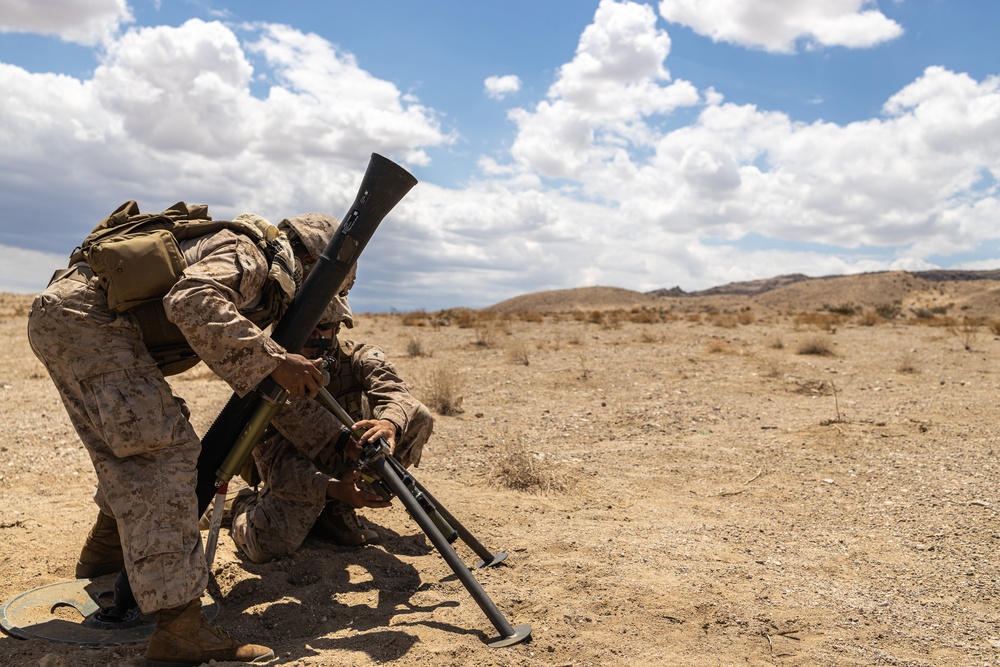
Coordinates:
136 430
297 463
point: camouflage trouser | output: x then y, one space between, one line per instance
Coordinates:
137 432
278 519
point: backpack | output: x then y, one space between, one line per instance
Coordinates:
137 259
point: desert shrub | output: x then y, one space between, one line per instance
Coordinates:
818 346
517 353
444 393
777 343
845 309
969 334
532 316
415 348
693 317
486 336
995 327
724 320
644 315
907 363
888 311
417 318
465 319
718 346
613 319
929 313
746 316
869 318
824 321
512 466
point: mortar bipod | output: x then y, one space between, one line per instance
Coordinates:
488 558
509 635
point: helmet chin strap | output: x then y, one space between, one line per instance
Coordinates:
297 273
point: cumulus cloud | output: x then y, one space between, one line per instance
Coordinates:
169 114
599 105
86 22
26 271
675 206
499 87
781 25
605 182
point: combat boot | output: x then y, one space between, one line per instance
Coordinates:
183 637
339 523
102 552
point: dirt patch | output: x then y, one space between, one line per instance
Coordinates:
712 497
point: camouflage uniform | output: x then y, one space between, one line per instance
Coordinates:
136 430
296 473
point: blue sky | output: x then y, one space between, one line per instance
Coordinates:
558 144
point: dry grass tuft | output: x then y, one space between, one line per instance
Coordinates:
415 348
444 393
869 318
824 321
818 346
417 318
517 353
718 346
908 363
512 466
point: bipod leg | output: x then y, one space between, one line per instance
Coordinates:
124 607
489 559
509 634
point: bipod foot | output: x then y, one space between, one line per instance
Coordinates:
521 633
498 558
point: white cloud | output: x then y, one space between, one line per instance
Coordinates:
83 21
26 271
604 184
600 102
780 25
169 114
499 87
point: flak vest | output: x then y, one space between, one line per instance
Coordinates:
344 386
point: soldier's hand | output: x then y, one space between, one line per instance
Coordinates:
346 490
299 376
375 429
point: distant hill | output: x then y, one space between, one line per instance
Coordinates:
751 287
583 298
746 288
972 293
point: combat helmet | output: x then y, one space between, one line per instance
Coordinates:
313 232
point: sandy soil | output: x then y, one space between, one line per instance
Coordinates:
700 491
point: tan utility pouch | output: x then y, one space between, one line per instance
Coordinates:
137 268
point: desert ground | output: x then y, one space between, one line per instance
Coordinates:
801 477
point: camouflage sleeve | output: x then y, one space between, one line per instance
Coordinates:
307 425
205 304
388 396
